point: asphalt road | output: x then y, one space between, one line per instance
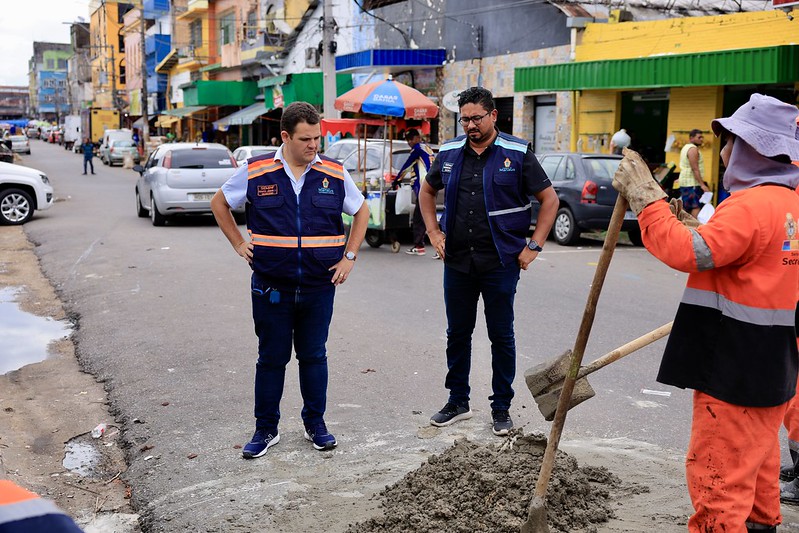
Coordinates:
164 320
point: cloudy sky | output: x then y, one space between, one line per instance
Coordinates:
25 21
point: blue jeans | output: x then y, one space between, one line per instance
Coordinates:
88 160
461 292
305 319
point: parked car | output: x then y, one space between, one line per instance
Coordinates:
23 190
32 133
6 155
583 184
20 144
343 147
116 151
181 179
54 136
123 134
243 153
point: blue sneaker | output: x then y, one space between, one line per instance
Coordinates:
261 441
318 434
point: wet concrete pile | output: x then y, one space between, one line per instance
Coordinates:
487 488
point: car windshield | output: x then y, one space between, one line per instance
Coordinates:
601 167
201 158
122 144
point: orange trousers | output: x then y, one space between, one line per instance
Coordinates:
733 465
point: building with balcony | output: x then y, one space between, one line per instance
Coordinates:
79 69
47 73
142 59
109 68
14 102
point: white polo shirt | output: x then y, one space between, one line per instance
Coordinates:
235 188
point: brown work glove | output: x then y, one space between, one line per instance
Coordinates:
634 181
675 205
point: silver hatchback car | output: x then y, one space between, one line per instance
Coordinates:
181 179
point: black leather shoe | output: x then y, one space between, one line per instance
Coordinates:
787 473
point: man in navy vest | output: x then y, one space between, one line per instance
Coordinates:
489 178
299 255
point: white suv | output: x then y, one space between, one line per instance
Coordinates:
22 191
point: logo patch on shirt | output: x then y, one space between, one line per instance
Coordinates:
791 243
325 188
506 166
446 167
267 190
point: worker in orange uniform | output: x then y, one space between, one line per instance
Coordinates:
733 339
22 511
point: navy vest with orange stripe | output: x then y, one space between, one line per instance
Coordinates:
296 239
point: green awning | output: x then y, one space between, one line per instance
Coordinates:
181 112
220 93
243 117
302 87
749 66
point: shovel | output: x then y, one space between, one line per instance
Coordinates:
545 381
537 513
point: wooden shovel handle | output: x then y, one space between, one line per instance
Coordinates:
622 351
611 237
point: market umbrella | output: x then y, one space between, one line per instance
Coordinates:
387 98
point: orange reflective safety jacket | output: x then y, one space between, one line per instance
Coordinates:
22 511
733 336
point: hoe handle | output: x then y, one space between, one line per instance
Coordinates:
612 236
625 350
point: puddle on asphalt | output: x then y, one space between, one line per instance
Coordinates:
25 336
81 458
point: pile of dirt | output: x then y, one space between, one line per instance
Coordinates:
472 487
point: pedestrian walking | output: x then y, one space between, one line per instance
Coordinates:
733 340
299 255
88 154
692 184
488 178
416 166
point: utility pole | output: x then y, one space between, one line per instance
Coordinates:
329 60
144 118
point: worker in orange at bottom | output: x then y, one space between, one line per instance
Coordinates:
733 340
789 491
22 511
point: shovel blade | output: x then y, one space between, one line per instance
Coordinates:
548 400
540 377
536 517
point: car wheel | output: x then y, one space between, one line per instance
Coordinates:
635 237
374 238
104 161
16 207
140 211
564 230
157 218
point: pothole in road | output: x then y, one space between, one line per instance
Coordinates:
92 458
25 336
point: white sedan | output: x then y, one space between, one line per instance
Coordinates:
22 191
20 144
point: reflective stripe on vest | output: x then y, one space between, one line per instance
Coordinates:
745 313
279 241
511 210
256 168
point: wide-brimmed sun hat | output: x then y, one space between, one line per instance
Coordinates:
766 124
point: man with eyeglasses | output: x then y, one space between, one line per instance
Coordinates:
489 178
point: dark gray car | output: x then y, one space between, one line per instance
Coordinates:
583 183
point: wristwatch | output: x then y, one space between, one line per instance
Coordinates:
350 256
534 246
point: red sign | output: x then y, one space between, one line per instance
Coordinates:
784 3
